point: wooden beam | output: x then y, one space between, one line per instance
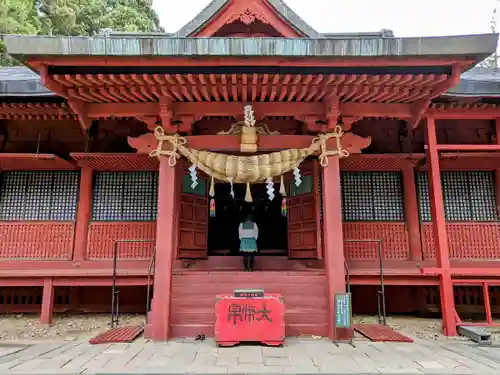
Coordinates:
80 109
239 61
463 113
296 109
488 147
299 109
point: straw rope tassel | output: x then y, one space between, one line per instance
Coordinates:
248 194
212 199
284 210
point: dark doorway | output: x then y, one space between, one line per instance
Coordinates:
223 228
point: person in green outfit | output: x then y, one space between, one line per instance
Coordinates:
249 233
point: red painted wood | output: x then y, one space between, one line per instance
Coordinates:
380 333
36 240
115 162
118 335
83 215
317 202
103 235
159 317
466 240
246 12
439 228
394 237
193 299
411 214
47 301
235 61
302 226
334 243
33 162
193 226
249 320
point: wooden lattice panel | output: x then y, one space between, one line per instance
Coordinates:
41 240
478 241
102 237
34 162
125 196
38 195
384 162
393 235
372 196
116 162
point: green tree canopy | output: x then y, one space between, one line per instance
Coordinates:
74 17
17 17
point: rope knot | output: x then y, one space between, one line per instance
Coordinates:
176 142
322 140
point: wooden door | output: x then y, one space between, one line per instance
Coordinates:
193 219
302 216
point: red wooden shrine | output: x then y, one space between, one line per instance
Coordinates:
418 192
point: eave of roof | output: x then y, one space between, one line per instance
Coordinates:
476 47
23 82
216 5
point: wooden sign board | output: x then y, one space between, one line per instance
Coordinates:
343 310
248 293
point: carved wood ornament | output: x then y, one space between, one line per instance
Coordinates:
247 16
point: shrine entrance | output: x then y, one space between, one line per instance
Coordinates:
231 211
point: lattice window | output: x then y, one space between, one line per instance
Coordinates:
125 196
372 196
468 196
42 196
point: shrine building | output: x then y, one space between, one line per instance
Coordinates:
369 162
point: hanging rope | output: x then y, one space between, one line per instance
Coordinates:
175 140
322 140
246 169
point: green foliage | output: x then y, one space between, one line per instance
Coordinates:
17 17
89 17
492 61
74 17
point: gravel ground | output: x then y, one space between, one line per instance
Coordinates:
421 328
66 327
80 327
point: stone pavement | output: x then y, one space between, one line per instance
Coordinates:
298 356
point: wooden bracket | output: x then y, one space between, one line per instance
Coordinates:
150 121
311 122
79 108
166 115
348 121
417 111
187 121
50 84
332 110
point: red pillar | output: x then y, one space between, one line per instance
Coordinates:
439 229
47 301
497 171
159 317
319 226
83 215
333 241
411 214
